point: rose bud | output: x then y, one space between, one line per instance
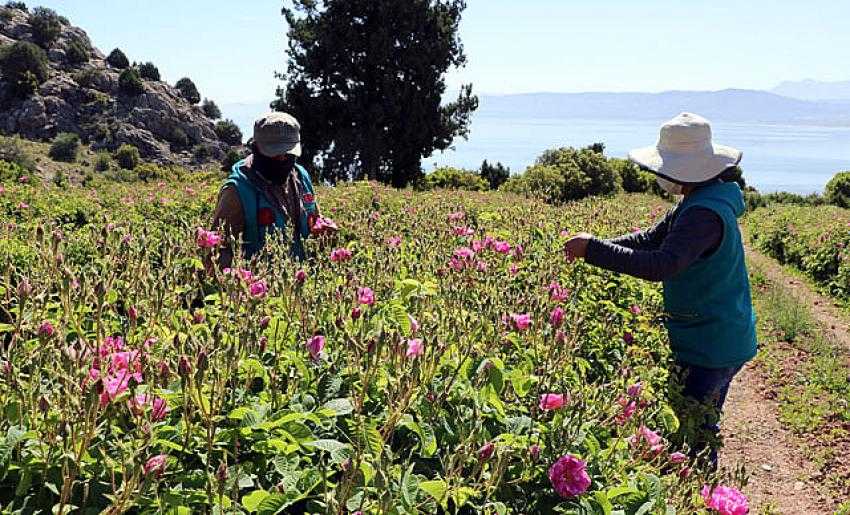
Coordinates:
486 451
263 344
203 361
43 405
184 368
264 322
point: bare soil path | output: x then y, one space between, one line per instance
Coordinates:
782 477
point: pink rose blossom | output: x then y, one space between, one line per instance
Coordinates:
415 348
356 313
635 389
551 401
651 438
300 276
155 465
521 321
628 410
159 409
486 451
23 179
259 289
502 247
534 452
569 476
456 216
46 330
635 309
207 239
340 255
414 324
394 242
556 318
322 224
558 293
315 345
365 296
678 457
23 205
725 500
464 253
463 231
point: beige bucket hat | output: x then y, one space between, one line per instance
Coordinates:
277 133
685 153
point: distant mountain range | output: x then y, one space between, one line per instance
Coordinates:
837 92
728 105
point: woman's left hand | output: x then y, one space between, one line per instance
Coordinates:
576 247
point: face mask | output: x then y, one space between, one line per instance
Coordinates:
670 186
273 170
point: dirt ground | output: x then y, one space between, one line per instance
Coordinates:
782 478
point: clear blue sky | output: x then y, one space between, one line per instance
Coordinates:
231 49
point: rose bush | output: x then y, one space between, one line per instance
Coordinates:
404 367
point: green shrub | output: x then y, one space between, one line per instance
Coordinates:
586 172
634 179
127 157
46 26
188 90
65 147
151 172
228 132
542 182
117 59
22 6
177 136
453 179
24 66
232 157
12 151
11 171
88 77
210 109
149 71
77 52
60 179
494 174
838 190
130 82
102 161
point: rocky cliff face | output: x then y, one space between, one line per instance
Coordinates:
86 99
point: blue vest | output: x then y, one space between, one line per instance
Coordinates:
708 306
253 200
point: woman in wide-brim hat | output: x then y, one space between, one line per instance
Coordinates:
697 252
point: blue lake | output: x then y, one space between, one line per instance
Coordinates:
793 158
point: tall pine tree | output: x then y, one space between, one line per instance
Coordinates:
366 79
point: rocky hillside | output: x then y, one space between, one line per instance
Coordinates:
81 93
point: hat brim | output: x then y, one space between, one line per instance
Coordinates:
687 168
279 149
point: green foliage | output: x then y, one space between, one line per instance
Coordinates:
210 109
65 147
12 151
127 157
11 171
188 90
494 174
150 172
754 199
232 157
24 66
130 82
542 182
202 152
838 190
102 161
148 71
46 26
177 136
228 132
813 239
88 77
453 179
117 59
77 52
634 179
366 81
788 313
22 6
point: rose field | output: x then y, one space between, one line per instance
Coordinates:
436 355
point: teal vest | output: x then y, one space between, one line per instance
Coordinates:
708 306
253 200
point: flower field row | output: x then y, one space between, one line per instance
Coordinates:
814 239
437 354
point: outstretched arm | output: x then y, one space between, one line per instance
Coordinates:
649 239
695 233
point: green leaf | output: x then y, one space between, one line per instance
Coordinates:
409 487
618 491
252 501
274 503
603 502
669 419
436 489
339 406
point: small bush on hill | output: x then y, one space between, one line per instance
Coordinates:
232 157
494 174
130 82
838 190
453 179
17 5
151 172
210 109
60 179
228 132
77 52
12 151
46 26
188 90
149 71
177 136
117 59
127 157
102 161
88 77
65 147
542 182
24 65
11 171
201 152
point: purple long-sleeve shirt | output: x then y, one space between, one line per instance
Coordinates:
662 251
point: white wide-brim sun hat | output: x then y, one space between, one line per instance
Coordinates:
685 152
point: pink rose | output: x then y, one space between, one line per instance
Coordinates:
365 296
156 465
552 401
315 345
259 289
725 500
556 318
569 476
207 239
415 348
340 255
521 321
